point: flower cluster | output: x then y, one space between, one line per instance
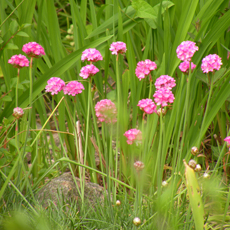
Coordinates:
133 135
88 71
144 67
18 112
184 66
147 105
186 50
54 85
106 111
165 81
163 96
138 165
19 61
91 55
211 62
73 88
118 47
33 49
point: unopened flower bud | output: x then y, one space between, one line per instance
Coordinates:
136 221
192 164
194 150
161 111
138 165
18 112
118 203
206 175
198 168
164 183
215 136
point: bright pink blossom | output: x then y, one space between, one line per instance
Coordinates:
184 66
186 50
18 112
118 47
88 71
163 96
106 111
73 88
33 49
54 85
91 55
147 105
133 135
144 67
211 62
19 61
227 139
165 81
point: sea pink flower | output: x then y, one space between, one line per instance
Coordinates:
33 49
165 81
18 112
186 50
19 61
227 139
211 62
147 105
163 96
106 111
184 66
91 55
88 71
139 166
54 85
133 135
118 47
73 88
144 67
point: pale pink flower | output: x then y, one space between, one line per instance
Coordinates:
18 112
19 61
184 66
144 67
133 135
91 55
163 96
147 105
73 88
106 111
186 50
118 47
211 62
33 49
88 71
139 166
165 81
54 85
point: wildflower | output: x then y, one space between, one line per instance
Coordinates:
194 150
186 50
184 66
163 96
198 168
136 221
211 62
54 85
88 71
138 165
91 55
147 105
161 111
19 61
164 183
133 135
106 111
118 203
118 47
33 49
73 88
227 139
144 67
192 164
18 112
165 81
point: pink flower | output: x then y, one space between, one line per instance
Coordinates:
88 71
139 166
106 111
227 139
211 62
144 67
147 105
133 135
54 85
73 88
18 112
184 66
91 55
186 50
33 49
118 47
165 81
163 96
18 61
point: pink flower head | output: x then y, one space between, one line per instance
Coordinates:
139 166
133 135
144 67
88 71
73 88
54 85
18 112
118 47
18 61
184 67
227 139
211 62
91 55
186 50
106 111
147 105
163 96
33 49
165 81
